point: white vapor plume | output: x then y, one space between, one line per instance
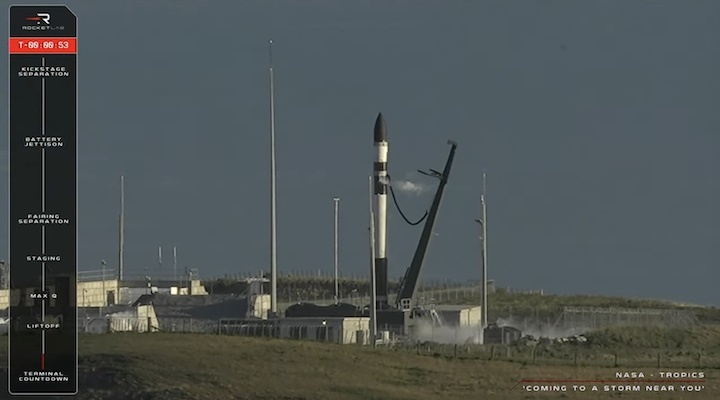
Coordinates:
539 329
410 187
425 331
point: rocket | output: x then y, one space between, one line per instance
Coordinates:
381 190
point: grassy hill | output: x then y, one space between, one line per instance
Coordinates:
702 338
501 303
180 367
526 310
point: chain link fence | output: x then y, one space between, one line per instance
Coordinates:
152 275
567 355
112 324
332 330
338 331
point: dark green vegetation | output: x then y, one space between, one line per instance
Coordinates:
186 366
501 303
703 338
300 288
624 347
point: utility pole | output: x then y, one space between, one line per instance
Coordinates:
273 219
4 279
104 302
337 286
121 233
483 239
483 200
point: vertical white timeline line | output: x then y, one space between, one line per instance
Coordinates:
43 205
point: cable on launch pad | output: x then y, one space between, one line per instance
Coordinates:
392 192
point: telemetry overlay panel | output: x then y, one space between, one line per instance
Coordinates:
43 201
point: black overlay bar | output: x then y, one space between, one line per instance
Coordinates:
43 202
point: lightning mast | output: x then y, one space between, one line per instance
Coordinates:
483 203
273 220
121 229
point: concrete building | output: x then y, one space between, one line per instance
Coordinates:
139 317
340 330
109 292
495 334
201 313
460 315
163 312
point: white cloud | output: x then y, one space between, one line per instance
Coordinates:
410 187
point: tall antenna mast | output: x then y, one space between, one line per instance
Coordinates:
483 203
121 233
174 263
337 263
273 231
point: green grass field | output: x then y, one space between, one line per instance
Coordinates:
186 366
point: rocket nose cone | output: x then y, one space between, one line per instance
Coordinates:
380 133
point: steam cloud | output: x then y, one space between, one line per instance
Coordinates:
540 329
410 187
426 332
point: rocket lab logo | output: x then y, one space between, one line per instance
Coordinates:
40 18
42 23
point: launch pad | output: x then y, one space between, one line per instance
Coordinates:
398 317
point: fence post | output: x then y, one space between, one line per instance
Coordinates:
658 360
533 354
616 359
699 360
149 324
492 352
418 347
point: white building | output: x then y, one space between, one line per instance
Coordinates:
341 330
460 315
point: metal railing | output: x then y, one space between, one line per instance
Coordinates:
152 275
329 333
107 324
112 323
89 276
561 354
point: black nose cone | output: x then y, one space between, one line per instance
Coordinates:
380 133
